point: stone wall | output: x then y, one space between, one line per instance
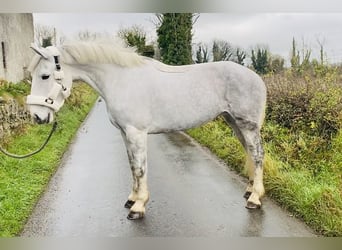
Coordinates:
12 116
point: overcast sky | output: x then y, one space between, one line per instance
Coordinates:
245 30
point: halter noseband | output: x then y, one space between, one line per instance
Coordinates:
58 87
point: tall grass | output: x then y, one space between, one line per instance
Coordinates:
23 181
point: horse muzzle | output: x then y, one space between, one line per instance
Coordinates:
41 114
39 120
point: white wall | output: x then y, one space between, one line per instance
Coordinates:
16 31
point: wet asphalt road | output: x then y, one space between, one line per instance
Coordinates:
191 192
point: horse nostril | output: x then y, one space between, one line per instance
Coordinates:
37 119
40 120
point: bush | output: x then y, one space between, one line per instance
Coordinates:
312 105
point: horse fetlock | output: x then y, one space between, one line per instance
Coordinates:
250 186
249 190
142 199
139 206
261 191
258 188
133 196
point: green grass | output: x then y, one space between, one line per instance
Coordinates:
16 91
23 181
312 193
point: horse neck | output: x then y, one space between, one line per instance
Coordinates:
93 75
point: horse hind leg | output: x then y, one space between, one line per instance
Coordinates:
255 189
248 134
230 120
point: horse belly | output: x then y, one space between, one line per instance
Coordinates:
184 111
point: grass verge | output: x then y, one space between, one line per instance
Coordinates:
312 194
23 181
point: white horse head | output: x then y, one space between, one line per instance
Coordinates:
50 86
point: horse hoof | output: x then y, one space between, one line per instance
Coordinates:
135 215
247 194
252 206
129 204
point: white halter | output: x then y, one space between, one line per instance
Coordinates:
50 100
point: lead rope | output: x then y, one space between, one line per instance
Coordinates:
54 126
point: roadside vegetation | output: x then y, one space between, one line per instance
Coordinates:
23 181
303 142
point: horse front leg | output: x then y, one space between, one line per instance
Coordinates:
136 144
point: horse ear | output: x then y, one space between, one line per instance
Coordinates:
39 51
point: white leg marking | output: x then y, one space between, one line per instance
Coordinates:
142 196
258 188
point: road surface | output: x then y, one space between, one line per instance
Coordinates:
191 192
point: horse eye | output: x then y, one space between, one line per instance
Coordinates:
45 77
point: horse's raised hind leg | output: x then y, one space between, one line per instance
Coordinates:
136 145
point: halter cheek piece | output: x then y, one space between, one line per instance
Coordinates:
58 88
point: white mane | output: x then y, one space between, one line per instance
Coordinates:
100 52
95 52
34 62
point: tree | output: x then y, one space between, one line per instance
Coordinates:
306 54
240 56
295 58
276 63
45 35
136 37
47 42
260 60
321 50
175 37
222 51
300 61
202 55
86 35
